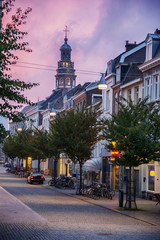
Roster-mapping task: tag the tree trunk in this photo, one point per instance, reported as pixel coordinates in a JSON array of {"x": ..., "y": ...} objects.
[
  {"x": 131, "y": 194},
  {"x": 55, "y": 167},
  {"x": 80, "y": 183},
  {"x": 39, "y": 161},
  {"x": 26, "y": 164},
  {"x": 129, "y": 189}
]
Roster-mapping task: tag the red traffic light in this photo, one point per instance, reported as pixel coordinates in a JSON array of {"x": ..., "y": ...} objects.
[{"x": 115, "y": 153}]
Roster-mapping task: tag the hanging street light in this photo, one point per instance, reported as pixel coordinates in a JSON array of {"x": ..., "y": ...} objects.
[{"x": 102, "y": 83}]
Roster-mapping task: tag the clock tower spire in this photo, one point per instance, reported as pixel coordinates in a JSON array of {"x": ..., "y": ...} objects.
[{"x": 65, "y": 77}]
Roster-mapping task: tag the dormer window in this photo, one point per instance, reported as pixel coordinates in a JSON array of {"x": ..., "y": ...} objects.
[
  {"x": 149, "y": 51},
  {"x": 109, "y": 68},
  {"x": 118, "y": 74}
]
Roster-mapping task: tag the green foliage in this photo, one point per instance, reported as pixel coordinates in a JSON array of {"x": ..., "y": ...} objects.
[
  {"x": 10, "y": 41},
  {"x": 76, "y": 132},
  {"x": 18, "y": 145},
  {"x": 3, "y": 133},
  {"x": 136, "y": 129},
  {"x": 40, "y": 144},
  {"x": 9, "y": 147}
]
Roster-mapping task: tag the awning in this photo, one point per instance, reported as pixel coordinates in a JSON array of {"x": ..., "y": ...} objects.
[{"x": 93, "y": 165}]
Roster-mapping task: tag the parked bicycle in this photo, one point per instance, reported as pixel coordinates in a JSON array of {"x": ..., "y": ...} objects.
[
  {"x": 93, "y": 191},
  {"x": 97, "y": 190},
  {"x": 107, "y": 192},
  {"x": 62, "y": 182}
]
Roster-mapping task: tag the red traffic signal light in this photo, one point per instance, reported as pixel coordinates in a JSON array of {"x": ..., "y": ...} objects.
[{"x": 115, "y": 153}]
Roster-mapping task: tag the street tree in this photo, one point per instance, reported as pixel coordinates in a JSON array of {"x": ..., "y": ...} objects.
[
  {"x": 136, "y": 132},
  {"x": 18, "y": 145},
  {"x": 11, "y": 41},
  {"x": 75, "y": 133},
  {"x": 40, "y": 146},
  {"x": 9, "y": 148},
  {"x": 23, "y": 144}
]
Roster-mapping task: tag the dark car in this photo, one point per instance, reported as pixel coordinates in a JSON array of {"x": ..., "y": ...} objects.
[
  {"x": 36, "y": 178},
  {"x": 6, "y": 164}
]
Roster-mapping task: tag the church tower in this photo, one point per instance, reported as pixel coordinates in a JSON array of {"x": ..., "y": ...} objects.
[{"x": 65, "y": 77}]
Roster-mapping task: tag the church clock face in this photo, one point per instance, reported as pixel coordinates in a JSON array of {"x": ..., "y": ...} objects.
[{"x": 68, "y": 81}]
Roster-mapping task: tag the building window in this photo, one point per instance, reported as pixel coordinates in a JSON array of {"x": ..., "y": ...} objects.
[
  {"x": 120, "y": 96},
  {"x": 129, "y": 94},
  {"x": 151, "y": 177},
  {"x": 62, "y": 166},
  {"x": 136, "y": 94},
  {"x": 155, "y": 87},
  {"x": 118, "y": 74},
  {"x": 147, "y": 88},
  {"x": 116, "y": 103},
  {"x": 149, "y": 52},
  {"x": 108, "y": 100},
  {"x": 96, "y": 98},
  {"x": 109, "y": 68},
  {"x": 61, "y": 81}
]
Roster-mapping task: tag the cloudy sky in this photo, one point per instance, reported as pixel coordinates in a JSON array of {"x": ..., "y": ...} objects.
[{"x": 97, "y": 33}]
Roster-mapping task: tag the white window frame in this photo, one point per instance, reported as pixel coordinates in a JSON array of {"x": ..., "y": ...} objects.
[
  {"x": 116, "y": 103},
  {"x": 150, "y": 190},
  {"x": 149, "y": 51},
  {"x": 118, "y": 70},
  {"x": 147, "y": 88},
  {"x": 129, "y": 94},
  {"x": 156, "y": 87},
  {"x": 136, "y": 94},
  {"x": 108, "y": 100}
]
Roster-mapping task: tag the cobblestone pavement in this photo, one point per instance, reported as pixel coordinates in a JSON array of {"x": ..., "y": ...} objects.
[{"x": 38, "y": 212}]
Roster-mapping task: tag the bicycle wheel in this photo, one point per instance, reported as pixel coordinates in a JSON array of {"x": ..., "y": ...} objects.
[
  {"x": 89, "y": 192},
  {"x": 51, "y": 183},
  {"x": 71, "y": 185},
  {"x": 96, "y": 196},
  {"x": 107, "y": 194}
]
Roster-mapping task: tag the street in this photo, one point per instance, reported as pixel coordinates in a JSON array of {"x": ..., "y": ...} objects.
[{"x": 66, "y": 217}]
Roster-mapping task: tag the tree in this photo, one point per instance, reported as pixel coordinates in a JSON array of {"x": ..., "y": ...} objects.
[
  {"x": 10, "y": 41},
  {"x": 75, "y": 133},
  {"x": 9, "y": 148},
  {"x": 19, "y": 145},
  {"x": 136, "y": 131},
  {"x": 40, "y": 146},
  {"x": 23, "y": 144}
]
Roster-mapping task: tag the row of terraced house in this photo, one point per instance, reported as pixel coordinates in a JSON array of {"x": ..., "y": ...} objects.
[{"x": 134, "y": 74}]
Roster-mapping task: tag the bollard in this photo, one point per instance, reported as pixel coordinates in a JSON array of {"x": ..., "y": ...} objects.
[{"x": 120, "y": 198}]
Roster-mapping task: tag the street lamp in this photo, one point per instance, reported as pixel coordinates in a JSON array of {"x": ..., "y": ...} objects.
[
  {"x": 102, "y": 83},
  {"x": 52, "y": 114}
]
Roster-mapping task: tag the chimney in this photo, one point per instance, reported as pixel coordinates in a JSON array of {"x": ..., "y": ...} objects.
[
  {"x": 129, "y": 46},
  {"x": 157, "y": 31}
]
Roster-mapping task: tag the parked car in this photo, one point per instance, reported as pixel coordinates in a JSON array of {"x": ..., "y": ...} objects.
[
  {"x": 1, "y": 161},
  {"x": 36, "y": 178},
  {"x": 6, "y": 164}
]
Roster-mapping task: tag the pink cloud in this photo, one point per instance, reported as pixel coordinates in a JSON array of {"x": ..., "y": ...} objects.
[{"x": 97, "y": 33}]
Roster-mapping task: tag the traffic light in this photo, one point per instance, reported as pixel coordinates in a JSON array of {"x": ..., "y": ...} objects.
[{"x": 115, "y": 153}]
